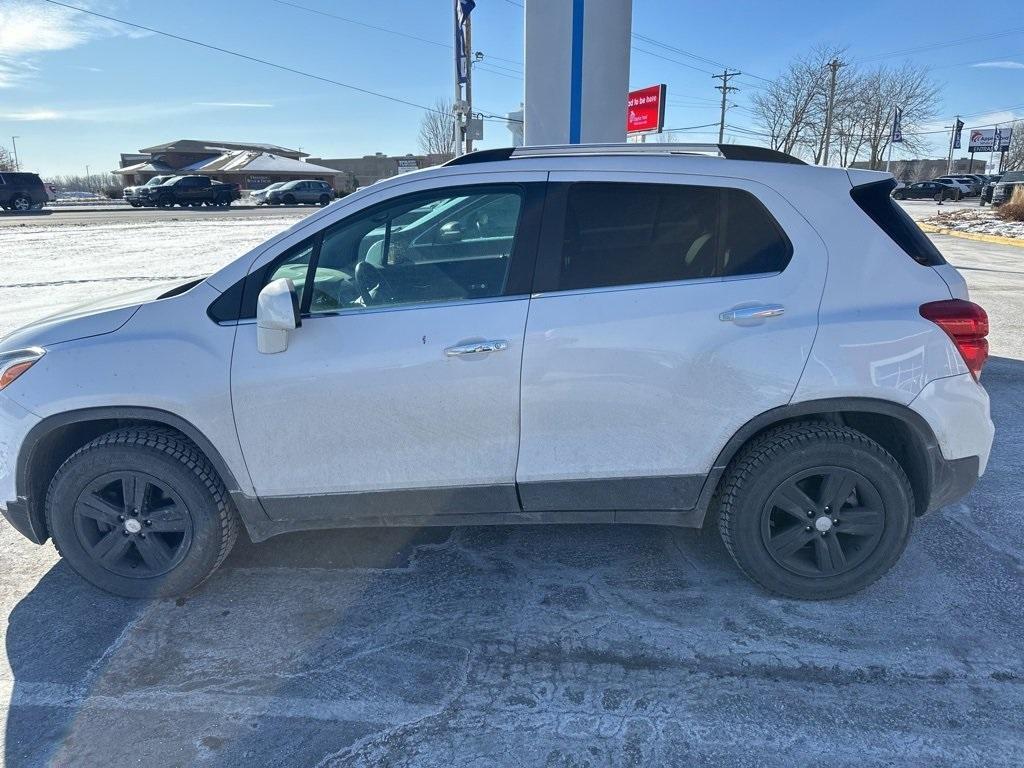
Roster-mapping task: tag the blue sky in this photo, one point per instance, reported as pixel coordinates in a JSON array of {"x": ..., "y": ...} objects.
[{"x": 77, "y": 90}]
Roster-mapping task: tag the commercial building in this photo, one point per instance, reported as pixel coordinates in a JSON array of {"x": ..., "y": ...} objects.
[
  {"x": 251, "y": 166},
  {"x": 357, "y": 172}
]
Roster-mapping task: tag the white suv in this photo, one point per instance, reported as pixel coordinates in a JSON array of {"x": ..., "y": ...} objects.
[{"x": 596, "y": 334}]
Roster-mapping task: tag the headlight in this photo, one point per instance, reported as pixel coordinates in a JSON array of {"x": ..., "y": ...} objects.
[{"x": 16, "y": 362}]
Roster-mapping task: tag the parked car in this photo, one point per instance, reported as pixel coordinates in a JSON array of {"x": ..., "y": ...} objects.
[
  {"x": 306, "y": 191},
  {"x": 51, "y": 193},
  {"x": 190, "y": 191},
  {"x": 259, "y": 197},
  {"x": 927, "y": 190},
  {"x": 1003, "y": 190},
  {"x": 617, "y": 334},
  {"x": 136, "y": 196},
  {"x": 965, "y": 185},
  {"x": 989, "y": 189},
  {"x": 22, "y": 192}
]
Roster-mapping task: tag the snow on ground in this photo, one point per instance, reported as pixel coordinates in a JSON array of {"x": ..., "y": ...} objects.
[
  {"x": 46, "y": 267},
  {"x": 979, "y": 221}
]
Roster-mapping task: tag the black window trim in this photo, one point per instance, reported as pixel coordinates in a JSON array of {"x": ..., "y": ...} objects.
[
  {"x": 549, "y": 251},
  {"x": 238, "y": 302}
]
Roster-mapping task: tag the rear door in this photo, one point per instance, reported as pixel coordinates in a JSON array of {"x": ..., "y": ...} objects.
[{"x": 665, "y": 316}]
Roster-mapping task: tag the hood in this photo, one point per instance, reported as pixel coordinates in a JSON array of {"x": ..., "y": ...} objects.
[{"x": 93, "y": 318}]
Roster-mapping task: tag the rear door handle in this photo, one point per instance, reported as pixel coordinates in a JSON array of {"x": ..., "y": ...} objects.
[
  {"x": 761, "y": 312},
  {"x": 477, "y": 348}
]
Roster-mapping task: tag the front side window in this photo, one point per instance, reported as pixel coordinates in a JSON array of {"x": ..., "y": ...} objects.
[
  {"x": 446, "y": 246},
  {"x": 628, "y": 234}
]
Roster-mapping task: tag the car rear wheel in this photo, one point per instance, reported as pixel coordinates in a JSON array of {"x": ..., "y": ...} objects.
[
  {"x": 22, "y": 203},
  {"x": 815, "y": 511},
  {"x": 325, "y": 200},
  {"x": 140, "y": 512}
]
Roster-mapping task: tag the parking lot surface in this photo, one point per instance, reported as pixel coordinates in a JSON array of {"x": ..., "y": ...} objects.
[{"x": 542, "y": 645}]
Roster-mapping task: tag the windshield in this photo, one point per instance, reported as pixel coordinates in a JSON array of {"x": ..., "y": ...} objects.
[{"x": 1013, "y": 176}]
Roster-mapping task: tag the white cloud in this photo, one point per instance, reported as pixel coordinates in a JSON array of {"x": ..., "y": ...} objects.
[
  {"x": 28, "y": 29},
  {"x": 240, "y": 104},
  {"x": 1000, "y": 64},
  {"x": 32, "y": 115}
]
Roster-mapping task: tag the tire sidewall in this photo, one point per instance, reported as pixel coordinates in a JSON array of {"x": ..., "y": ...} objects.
[
  {"x": 83, "y": 468},
  {"x": 745, "y": 519}
]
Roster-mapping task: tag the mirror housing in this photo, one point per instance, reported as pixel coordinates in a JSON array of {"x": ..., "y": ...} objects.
[
  {"x": 449, "y": 232},
  {"x": 277, "y": 313}
]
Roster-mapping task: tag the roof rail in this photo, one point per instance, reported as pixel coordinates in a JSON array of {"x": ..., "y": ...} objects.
[{"x": 727, "y": 151}]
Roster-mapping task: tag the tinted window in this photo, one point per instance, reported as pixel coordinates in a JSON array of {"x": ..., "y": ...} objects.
[
  {"x": 622, "y": 234},
  {"x": 875, "y": 201}
]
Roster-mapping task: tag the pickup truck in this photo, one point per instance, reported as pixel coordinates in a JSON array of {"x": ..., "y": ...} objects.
[
  {"x": 135, "y": 195},
  {"x": 190, "y": 190}
]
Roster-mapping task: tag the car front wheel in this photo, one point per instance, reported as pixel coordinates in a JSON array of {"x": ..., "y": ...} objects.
[
  {"x": 815, "y": 511},
  {"x": 140, "y": 512},
  {"x": 22, "y": 203}
]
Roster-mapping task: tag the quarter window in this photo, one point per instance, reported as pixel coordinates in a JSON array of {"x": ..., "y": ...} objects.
[{"x": 625, "y": 234}]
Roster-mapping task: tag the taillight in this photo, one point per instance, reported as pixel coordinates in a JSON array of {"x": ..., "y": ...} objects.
[{"x": 966, "y": 324}]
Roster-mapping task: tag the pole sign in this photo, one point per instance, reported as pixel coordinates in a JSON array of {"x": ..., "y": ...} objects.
[
  {"x": 990, "y": 139},
  {"x": 645, "y": 110},
  {"x": 957, "y": 129}
]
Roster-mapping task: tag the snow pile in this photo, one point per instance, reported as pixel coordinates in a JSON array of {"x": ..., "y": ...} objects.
[{"x": 982, "y": 221}]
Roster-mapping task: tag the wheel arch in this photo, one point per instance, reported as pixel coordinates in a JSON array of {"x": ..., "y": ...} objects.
[
  {"x": 50, "y": 442},
  {"x": 897, "y": 428}
]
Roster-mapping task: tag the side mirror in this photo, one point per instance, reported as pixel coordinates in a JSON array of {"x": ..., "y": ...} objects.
[
  {"x": 277, "y": 313},
  {"x": 450, "y": 232}
]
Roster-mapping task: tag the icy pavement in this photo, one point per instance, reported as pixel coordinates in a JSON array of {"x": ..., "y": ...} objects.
[
  {"x": 47, "y": 265},
  {"x": 561, "y": 646}
]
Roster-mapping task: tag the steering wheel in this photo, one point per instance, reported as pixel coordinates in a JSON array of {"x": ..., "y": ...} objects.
[{"x": 368, "y": 276}]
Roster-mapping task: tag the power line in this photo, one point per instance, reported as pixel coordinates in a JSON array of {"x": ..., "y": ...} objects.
[
  {"x": 387, "y": 30},
  {"x": 690, "y": 54},
  {"x": 943, "y": 44},
  {"x": 255, "y": 59}
]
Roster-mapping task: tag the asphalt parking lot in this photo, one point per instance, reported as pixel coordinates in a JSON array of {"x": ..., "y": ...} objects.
[{"x": 557, "y": 646}]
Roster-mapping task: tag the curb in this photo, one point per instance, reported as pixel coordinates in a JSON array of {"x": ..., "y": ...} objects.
[{"x": 996, "y": 239}]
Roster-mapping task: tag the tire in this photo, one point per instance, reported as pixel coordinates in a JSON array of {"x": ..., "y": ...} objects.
[
  {"x": 165, "y": 202},
  {"x": 325, "y": 200},
  {"x": 21, "y": 203},
  {"x": 184, "y": 508},
  {"x": 760, "y": 522},
  {"x": 289, "y": 200}
]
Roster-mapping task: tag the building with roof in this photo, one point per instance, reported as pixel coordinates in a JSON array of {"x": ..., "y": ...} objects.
[
  {"x": 356, "y": 172},
  {"x": 251, "y": 166}
]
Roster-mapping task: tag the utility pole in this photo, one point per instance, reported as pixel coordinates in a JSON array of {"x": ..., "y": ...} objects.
[
  {"x": 14, "y": 144},
  {"x": 952, "y": 141},
  {"x": 458, "y": 85},
  {"x": 830, "y": 105},
  {"x": 725, "y": 88},
  {"x": 468, "y": 24}
]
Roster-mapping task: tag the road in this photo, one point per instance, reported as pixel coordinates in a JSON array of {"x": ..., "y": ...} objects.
[
  {"x": 558, "y": 646},
  {"x": 125, "y": 214}
]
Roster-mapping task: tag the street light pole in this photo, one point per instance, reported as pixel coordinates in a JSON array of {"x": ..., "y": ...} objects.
[{"x": 14, "y": 144}]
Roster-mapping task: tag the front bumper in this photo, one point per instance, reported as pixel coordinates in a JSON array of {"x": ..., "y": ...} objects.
[{"x": 15, "y": 424}]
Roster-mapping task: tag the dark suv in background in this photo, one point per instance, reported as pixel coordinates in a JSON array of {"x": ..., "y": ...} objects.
[
  {"x": 1003, "y": 190},
  {"x": 22, "y": 192}
]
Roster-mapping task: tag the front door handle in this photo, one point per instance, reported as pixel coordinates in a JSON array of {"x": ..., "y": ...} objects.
[
  {"x": 761, "y": 312},
  {"x": 476, "y": 348}
]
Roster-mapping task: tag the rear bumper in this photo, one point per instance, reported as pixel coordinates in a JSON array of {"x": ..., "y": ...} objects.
[{"x": 957, "y": 410}]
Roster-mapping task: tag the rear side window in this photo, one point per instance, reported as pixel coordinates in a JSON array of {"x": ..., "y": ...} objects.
[
  {"x": 875, "y": 201},
  {"x": 627, "y": 234}
]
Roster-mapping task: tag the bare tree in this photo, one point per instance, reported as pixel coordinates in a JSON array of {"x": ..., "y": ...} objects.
[
  {"x": 437, "y": 130},
  {"x": 6, "y": 160},
  {"x": 792, "y": 108},
  {"x": 909, "y": 87}
]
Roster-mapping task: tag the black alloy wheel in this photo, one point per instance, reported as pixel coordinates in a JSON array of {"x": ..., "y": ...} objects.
[
  {"x": 823, "y": 521},
  {"x": 133, "y": 524}
]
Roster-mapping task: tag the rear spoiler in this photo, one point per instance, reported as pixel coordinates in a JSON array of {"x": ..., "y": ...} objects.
[{"x": 860, "y": 177}]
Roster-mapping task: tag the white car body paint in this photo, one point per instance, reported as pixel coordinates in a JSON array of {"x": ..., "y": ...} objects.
[{"x": 367, "y": 400}]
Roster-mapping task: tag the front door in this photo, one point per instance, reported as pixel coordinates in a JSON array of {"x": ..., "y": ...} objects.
[
  {"x": 399, "y": 394},
  {"x": 668, "y": 314}
]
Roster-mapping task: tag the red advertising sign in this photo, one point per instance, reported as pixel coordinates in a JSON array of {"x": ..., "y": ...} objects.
[{"x": 645, "y": 109}]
